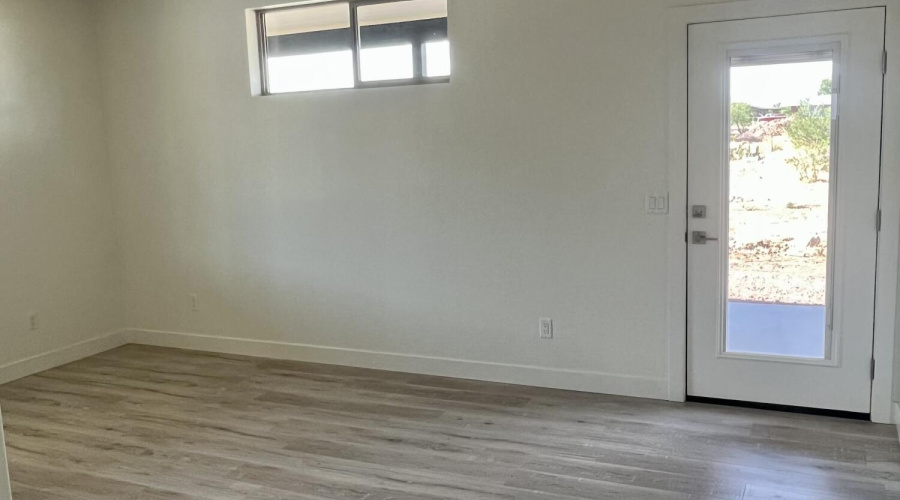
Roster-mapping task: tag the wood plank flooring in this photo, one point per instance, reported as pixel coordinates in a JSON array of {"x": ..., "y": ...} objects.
[{"x": 151, "y": 423}]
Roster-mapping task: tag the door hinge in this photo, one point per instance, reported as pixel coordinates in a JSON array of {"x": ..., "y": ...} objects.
[
  {"x": 878, "y": 221},
  {"x": 873, "y": 369},
  {"x": 884, "y": 63}
]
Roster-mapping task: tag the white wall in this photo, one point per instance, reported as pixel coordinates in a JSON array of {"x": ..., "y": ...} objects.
[
  {"x": 58, "y": 255},
  {"x": 435, "y": 220},
  {"x": 896, "y": 384}
]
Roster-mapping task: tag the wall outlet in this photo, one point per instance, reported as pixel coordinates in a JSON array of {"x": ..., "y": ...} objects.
[
  {"x": 195, "y": 302},
  {"x": 546, "y": 328},
  {"x": 33, "y": 323}
]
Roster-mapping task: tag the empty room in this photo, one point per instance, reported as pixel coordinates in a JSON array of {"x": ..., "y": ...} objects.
[{"x": 449, "y": 249}]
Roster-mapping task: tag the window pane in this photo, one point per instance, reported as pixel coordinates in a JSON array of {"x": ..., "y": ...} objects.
[
  {"x": 309, "y": 48},
  {"x": 394, "y": 39},
  {"x": 386, "y": 63},
  {"x": 780, "y": 184},
  {"x": 437, "y": 58}
]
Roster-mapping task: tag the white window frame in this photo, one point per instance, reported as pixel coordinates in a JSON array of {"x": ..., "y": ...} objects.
[{"x": 259, "y": 60}]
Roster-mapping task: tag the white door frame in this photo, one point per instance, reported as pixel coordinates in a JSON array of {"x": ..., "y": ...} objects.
[
  {"x": 889, "y": 238},
  {"x": 5, "y": 493}
]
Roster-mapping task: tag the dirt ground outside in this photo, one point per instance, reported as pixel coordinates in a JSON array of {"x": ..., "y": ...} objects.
[{"x": 778, "y": 224}]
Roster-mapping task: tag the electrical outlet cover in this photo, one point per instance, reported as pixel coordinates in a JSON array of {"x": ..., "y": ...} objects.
[{"x": 546, "y": 328}]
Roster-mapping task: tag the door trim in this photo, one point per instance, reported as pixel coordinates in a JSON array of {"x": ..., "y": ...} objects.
[
  {"x": 886, "y": 280},
  {"x": 837, "y": 45}
]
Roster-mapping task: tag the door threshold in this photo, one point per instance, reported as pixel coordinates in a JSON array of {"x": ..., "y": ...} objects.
[{"x": 850, "y": 415}]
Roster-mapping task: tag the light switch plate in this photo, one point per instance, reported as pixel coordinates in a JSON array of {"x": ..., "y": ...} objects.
[{"x": 657, "y": 204}]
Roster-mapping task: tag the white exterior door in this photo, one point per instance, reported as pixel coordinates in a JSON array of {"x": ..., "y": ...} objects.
[{"x": 784, "y": 165}]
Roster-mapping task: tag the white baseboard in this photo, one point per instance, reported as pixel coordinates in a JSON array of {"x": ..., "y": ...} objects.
[
  {"x": 554, "y": 378},
  {"x": 64, "y": 355}
]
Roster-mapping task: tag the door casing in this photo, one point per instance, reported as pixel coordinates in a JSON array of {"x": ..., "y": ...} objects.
[{"x": 5, "y": 493}]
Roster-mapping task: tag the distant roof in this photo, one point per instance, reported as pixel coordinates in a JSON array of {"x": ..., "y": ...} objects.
[{"x": 819, "y": 100}]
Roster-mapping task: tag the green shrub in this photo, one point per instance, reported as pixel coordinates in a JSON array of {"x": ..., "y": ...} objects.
[
  {"x": 810, "y": 133},
  {"x": 739, "y": 151},
  {"x": 741, "y": 116}
]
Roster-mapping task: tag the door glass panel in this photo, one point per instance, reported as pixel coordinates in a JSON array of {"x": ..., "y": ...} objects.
[{"x": 779, "y": 205}]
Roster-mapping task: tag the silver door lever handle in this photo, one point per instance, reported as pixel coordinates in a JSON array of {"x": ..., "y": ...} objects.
[{"x": 700, "y": 238}]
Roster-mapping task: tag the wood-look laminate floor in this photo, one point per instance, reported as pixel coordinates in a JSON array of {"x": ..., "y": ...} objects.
[{"x": 150, "y": 423}]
